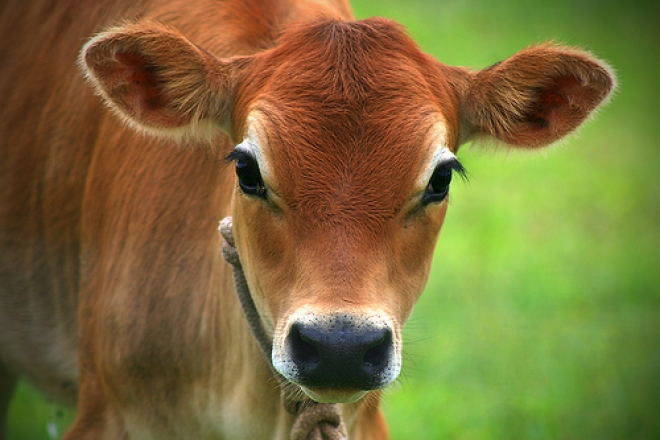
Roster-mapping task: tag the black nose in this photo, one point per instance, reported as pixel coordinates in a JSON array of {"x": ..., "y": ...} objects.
[{"x": 341, "y": 354}]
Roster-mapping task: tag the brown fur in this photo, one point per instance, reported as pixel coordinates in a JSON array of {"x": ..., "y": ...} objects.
[{"x": 113, "y": 291}]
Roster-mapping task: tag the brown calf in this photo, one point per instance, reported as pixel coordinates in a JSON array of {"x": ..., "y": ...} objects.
[{"x": 113, "y": 291}]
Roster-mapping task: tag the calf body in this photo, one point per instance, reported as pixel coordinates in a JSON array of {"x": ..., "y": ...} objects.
[{"x": 331, "y": 142}]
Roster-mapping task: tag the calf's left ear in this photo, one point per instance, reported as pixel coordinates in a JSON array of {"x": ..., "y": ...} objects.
[
  {"x": 535, "y": 97},
  {"x": 160, "y": 83}
]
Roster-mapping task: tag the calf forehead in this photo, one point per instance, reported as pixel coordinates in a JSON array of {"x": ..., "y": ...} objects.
[
  {"x": 348, "y": 116},
  {"x": 335, "y": 169}
]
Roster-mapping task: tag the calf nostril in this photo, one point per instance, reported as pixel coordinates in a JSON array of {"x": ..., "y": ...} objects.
[
  {"x": 303, "y": 352},
  {"x": 377, "y": 357}
]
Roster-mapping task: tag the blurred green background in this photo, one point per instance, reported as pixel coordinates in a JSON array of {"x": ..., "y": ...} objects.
[{"x": 541, "y": 319}]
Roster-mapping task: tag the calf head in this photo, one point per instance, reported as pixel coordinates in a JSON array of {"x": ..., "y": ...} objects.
[{"x": 346, "y": 138}]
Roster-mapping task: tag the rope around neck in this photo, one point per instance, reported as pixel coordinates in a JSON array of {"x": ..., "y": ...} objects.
[{"x": 313, "y": 421}]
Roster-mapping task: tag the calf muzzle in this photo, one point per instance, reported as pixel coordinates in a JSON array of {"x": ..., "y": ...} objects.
[{"x": 341, "y": 352}]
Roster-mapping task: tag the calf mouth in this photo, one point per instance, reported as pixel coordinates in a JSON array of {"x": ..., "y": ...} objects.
[{"x": 333, "y": 395}]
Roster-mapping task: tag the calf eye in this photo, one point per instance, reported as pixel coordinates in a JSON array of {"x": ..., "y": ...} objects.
[
  {"x": 247, "y": 171},
  {"x": 438, "y": 186}
]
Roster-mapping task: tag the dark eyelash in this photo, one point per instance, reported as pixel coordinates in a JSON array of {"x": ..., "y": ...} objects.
[
  {"x": 457, "y": 167},
  {"x": 236, "y": 155}
]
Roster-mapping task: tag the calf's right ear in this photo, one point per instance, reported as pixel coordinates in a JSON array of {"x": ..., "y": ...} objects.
[
  {"x": 160, "y": 83},
  {"x": 536, "y": 97}
]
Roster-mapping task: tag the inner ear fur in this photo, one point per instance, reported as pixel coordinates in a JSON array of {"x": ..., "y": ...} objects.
[
  {"x": 535, "y": 97},
  {"x": 159, "y": 82}
]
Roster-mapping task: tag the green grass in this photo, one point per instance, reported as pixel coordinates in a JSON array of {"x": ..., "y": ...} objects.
[
  {"x": 541, "y": 319},
  {"x": 33, "y": 417}
]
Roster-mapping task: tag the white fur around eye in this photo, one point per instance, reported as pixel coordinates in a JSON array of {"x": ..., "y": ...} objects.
[
  {"x": 253, "y": 143},
  {"x": 438, "y": 153}
]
